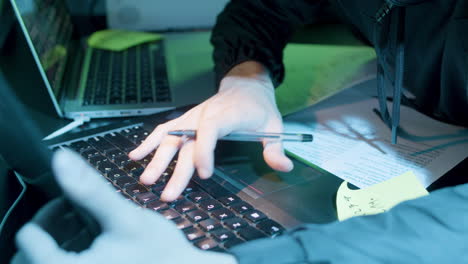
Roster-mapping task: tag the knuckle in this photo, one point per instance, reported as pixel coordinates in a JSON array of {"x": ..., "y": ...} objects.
[{"x": 160, "y": 128}]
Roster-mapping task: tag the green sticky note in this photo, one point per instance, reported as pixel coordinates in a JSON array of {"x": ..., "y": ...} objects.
[
  {"x": 377, "y": 198},
  {"x": 119, "y": 40}
]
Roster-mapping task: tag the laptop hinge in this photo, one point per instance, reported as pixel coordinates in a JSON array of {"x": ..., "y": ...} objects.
[{"x": 78, "y": 121}]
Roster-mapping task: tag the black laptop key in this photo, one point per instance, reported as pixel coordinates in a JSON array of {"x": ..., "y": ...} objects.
[
  {"x": 193, "y": 233},
  {"x": 158, "y": 188},
  {"x": 222, "y": 214},
  {"x": 210, "y": 205},
  {"x": 241, "y": 207},
  {"x": 222, "y": 234},
  {"x": 230, "y": 199},
  {"x": 138, "y": 136},
  {"x": 157, "y": 205},
  {"x": 90, "y": 152},
  {"x": 106, "y": 166},
  {"x": 79, "y": 146},
  {"x": 131, "y": 98},
  {"x": 131, "y": 165},
  {"x": 185, "y": 206},
  {"x": 235, "y": 223},
  {"x": 114, "y": 174},
  {"x": 255, "y": 216},
  {"x": 126, "y": 132},
  {"x": 146, "y": 98},
  {"x": 97, "y": 159},
  {"x": 197, "y": 215},
  {"x": 100, "y": 101},
  {"x": 191, "y": 187},
  {"x": 198, "y": 197},
  {"x": 146, "y": 197},
  {"x": 136, "y": 189},
  {"x": 113, "y": 153},
  {"x": 206, "y": 244},
  {"x": 123, "y": 181},
  {"x": 136, "y": 173},
  {"x": 121, "y": 160},
  {"x": 115, "y": 100},
  {"x": 146, "y": 160},
  {"x": 100, "y": 144},
  {"x": 270, "y": 227},
  {"x": 177, "y": 200},
  {"x": 249, "y": 233},
  {"x": 233, "y": 242},
  {"x": 209, "y": 225},
  {"x": 182, "y": 223},
  {"x": 138, "y": 129},
  {"x": 170, "y": 214},
  {"x": 120, "y": 141}
]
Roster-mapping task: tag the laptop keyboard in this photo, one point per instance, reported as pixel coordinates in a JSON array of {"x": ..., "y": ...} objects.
[
  {"x": 137, "y": 75},
  {"x": 211, "y": 217}
]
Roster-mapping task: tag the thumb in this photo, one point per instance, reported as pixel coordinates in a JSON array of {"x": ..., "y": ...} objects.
[
  {"x": 273, "y": 151},
  {"x": 86, "y": 187},
  {"x": 274, "y": 156},
  {"x": 39, "y": 247}
]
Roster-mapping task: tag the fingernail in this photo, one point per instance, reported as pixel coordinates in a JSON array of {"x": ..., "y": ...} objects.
[
  {"x": 132, "y": 154},
  {"x": 166, "y": 195},
  {"x": 290, "y": 165},
  {"x": 147, "y": 177},
  {"x": 204, "y": 173}
]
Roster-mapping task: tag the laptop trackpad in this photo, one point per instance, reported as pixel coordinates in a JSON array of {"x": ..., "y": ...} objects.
[{"x": 305, "y": 194}]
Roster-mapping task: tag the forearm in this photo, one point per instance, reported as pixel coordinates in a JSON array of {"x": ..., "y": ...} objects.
[
  {"x": 258, "y": 30},
  {"x": 431, "y": 229}
]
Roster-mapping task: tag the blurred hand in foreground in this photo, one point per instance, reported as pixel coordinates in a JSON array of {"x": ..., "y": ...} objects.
[{"x": 129, "y": 235}]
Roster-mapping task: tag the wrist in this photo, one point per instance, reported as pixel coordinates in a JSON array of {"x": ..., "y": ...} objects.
[{"x": 248, "y": 71}]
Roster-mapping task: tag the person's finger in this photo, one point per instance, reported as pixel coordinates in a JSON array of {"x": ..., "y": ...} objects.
[
  {"x": 208, "y": 132},
  {"x": 86, "y": 187},
  {"x": 273, "y": 153},
  {"x": 163, "y": 156},
  {"x": 182, "y": 174},
  {"x": 151, "y": 142},
  {"x": 39, "y": 247}
]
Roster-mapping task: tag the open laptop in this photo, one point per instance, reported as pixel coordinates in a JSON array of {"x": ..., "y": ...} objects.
[
  {"x": 244, "y": 200},
  {"x": 83, "y": 81}
]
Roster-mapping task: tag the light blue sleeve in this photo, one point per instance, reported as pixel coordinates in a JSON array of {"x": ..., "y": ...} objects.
[{"x": 431, "y": 229}]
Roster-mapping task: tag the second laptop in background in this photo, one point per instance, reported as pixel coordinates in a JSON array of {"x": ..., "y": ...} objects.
[{"x": 84, "y": 81}]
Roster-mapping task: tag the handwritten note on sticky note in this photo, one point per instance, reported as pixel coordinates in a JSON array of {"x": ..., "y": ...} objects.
[
  {"x": 377, "y": 198},
  {"x": 119, "y": 40}
]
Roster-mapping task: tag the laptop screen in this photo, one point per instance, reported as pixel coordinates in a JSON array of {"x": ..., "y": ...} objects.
[{"x": 48, "y": 26}]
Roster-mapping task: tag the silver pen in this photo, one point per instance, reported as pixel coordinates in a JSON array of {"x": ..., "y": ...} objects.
[{"x": 249, "y": 136}]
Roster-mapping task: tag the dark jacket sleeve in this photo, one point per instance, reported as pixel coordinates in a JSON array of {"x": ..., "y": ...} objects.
[
  {"x": 258, "y": 30},
  {"x": 432, "y": 229}
]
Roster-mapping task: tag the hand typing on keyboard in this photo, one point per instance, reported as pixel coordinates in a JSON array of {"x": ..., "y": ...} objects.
[
  {"x": 129, "y": 235},
  {"x": 245, "y": 101}
]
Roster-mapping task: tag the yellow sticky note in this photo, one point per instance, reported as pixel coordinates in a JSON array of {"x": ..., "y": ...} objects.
[
  {"x": 118, "y": 40},
  {"x": 378, "y": 198}
]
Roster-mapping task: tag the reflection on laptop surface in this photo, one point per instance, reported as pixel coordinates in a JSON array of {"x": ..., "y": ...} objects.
[{"x": 97, "y": 83}]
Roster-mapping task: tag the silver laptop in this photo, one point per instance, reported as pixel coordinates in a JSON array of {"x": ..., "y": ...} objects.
[{"x": 83, "y": 81}]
